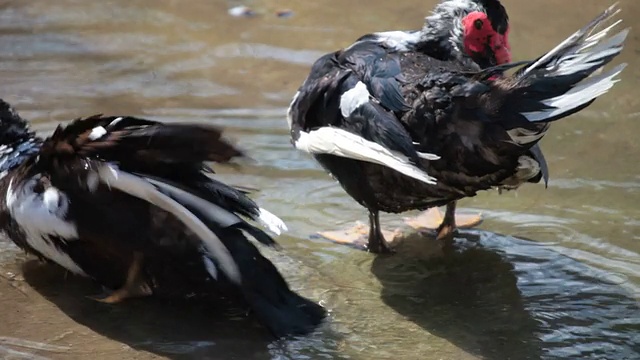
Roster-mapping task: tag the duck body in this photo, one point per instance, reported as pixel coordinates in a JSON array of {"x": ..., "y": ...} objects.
[
  {"x": 129, "y": 203},
  {"x": 395, "y": 76},
  {"x": 467, "y": 162},
  {"x": 403, "y": 129}
]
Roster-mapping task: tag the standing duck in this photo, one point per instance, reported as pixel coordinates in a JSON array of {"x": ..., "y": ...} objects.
[
  {"x": 129, "y": 203},
  {"x": 420, "y": 119}
]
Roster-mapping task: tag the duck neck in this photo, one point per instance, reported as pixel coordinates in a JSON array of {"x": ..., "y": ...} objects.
[{"x": 442, "y": 35}]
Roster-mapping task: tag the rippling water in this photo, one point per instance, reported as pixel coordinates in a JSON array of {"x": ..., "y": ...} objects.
[{"x": 551, "y": 273}]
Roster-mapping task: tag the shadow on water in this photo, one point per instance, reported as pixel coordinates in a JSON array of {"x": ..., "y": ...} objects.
[
  {"x": 178, "y": 328},
  {"x": 498, "y": 297},
  {"x": 174, "y": 329}
]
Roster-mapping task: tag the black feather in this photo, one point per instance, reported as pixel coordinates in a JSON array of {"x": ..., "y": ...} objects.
[
  {"x": 475, "y": 119},
  {"x": 376, "y": 124},
  {"x": 116, "y": 225},
  {"x": 539, "y": 157},
  {"x": 13, "y": 128},
  {"x": 379, "y": 70},
  {"x": 497, "y": 14}
]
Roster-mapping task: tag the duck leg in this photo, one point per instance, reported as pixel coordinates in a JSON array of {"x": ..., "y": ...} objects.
[
  {"x": 361, "y": 237},
  {"x": 446, "y": 225},
  {"x": 134, "y": 286},
  {"x": 377, "y": 243}
]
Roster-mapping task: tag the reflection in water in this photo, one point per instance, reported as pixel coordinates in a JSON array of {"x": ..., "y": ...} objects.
[
  {"x": 177, "y": 330},
  {"x": 505, "y": 298},
  {"x": 468, "y": 296}
]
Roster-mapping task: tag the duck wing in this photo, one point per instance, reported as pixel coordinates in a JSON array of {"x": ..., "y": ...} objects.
[
  {"x": 346, "y": 107},
  {"x": 161, "y": 164},
  {"x": 175, "y": 153}
]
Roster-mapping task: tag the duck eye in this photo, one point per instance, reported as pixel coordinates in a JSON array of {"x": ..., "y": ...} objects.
[{"x": 478, "y": 24}]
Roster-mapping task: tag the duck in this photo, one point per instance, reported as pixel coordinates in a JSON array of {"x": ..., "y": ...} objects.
[
  {"x": 132, "y": 204},
  {"x": 415, "y": 120}
]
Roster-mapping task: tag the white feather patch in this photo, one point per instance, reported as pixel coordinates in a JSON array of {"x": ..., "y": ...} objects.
[
  {"x": 289, "y": 118},
  {"x": 527, "y": 169},
  {"x": 222, "y": 216},
  {"x": 115, "y": 121},
  {"x": 210, "y": 266},
  {"x": 92, "y": 181},
  {"x": 41, "y": 216},
  {"x": 333, "y": 141},
  {"x": 142, "y": 189},
  {"x": 5, "y": 150},
  {"x": 525, "y": 136},
  {"x": 398, "y": 40},
  {"x": 594, "y": 39},
  {"x": 577, "y": 96},
  {"x": 271, "y": 222},
  {"x": 97, "y": 132},
  {"x": 598, "y": 36},
  {"x": 354, "y": 98},
  {"x": 428, "y": 156},
  {"x": 595, "y": 56}
]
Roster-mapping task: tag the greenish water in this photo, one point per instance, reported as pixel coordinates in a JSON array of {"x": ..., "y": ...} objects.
[{"x": 551, "y": 273}]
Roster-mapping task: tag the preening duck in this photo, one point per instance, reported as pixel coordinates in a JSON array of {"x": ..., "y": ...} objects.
[
  {"x": 409, "y": 120},
  {"x": 130, "y": 203}
]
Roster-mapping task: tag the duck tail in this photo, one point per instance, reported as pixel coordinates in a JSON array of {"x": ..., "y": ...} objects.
[
  {"x": 228, "y": 254},
  {"x": 280, "y": 309},
  {"x": 564, "y": 81}
]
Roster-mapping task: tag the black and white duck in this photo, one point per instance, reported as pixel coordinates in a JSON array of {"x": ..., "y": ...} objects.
[
  {"x": 412, "y": 120},
  {"x": 130, "y": 203}
]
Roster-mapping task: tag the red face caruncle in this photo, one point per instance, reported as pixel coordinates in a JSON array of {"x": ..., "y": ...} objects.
[{"x": 479, "y": 36}]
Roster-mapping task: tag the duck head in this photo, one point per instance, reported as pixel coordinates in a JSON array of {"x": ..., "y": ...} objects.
[{"x": 477, "y": 29}]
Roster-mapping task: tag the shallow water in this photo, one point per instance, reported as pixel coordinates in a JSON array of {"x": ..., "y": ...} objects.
[{"x": 551, "y": 273}]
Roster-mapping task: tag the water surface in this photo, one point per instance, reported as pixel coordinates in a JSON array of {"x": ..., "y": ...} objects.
[{"x": 551, "y": 273}]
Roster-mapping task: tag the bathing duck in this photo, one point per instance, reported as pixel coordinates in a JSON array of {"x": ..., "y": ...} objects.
[
  {"x": 130, "y": 203},
  {"x": 413, "y": 120}
]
